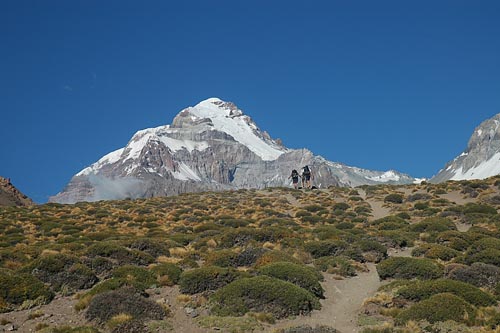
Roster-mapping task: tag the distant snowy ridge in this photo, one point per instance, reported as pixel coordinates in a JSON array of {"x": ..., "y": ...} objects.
[
  {"x": 210, "y": 146},
  {"x": 481, "y": 158}
]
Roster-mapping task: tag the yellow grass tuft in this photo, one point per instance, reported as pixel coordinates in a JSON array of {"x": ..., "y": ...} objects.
[
  {"x": 182, "y": 298},
  {"x": 179, "y": 252},
  {"x": 118, "y": 320}
]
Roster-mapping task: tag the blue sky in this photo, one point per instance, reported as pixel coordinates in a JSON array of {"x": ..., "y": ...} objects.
[{"x": 374, "y": 84}]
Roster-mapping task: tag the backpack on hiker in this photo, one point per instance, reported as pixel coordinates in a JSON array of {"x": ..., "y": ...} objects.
[{"x": 307, "y": 171}]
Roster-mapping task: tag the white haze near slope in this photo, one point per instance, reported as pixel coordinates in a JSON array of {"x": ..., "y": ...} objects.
[{"x": 115, "y": 188}]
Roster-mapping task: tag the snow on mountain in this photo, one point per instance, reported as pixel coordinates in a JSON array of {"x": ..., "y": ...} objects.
[
  {"x": 210, "y": 146},
  {"x": 481, "y": 158},
  {"x": 226, "y": 117},
  {"x": 387, "y": 176}
]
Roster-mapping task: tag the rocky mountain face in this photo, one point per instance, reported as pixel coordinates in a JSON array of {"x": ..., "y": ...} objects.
[
  {"x": 211, "y": 146},
  {"x": 11, "y": 196},
  {"x": 481, "y": 158}
]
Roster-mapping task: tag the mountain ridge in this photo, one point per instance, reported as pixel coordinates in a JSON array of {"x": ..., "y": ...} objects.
[{"x": 11, "y": 196}]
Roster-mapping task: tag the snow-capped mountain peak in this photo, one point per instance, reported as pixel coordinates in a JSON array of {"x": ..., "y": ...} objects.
[{"x": 226, "y": 117}]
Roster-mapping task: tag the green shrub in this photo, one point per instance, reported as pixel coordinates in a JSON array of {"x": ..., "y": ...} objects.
[
  {"x": 488, "y": 256},
  {"x": 394, "y": 198},
  {"x": 207, "y": 278},
  {"x": 243, "y": 236},
  {"x": 484, "y": 244},
  {"x": 326, "y": 248},
  {"x": 409, "y": 268},
  {"x": 153, "y": 247},
  {"x": 373, "y": 247},
  {"x": 119, "y": 253},
  {"x": 397, "y": 238},
  {"x": 390, "y": 222},
  {"x": 106, "y": 305},
  {"x": 222, "y": 258},
  {"x": 433, "y": 224},
  {"x": 169, "y": 270},
  {"x": 335, "y": 265},
  {"x": 421, "y": 205},
  {"x": 478, "y": 274},
  {"x": 453, "y": 239},
  {"x": 435, "y": 251},
  {"x": 16, "y": 288},
  {"x": 440, "y": 307},
  {"x": 419, "y": 290},
  {"x": 275, "y": 256},
  {"x": 136, "y": 276},
  {"x": 263, "y": 294},
  {"x": 473, "y": 208},
  {"x": 61, "y": 270},
  {"x": 299, "y": 275},
  {"x": 342, "y": 206},
  {"x": 419, "y": 196}
]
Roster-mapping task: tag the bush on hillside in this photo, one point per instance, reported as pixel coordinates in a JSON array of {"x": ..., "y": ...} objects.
[
  {"x": 478, "y": 274},
  {"x": 300, "y": 275},
  {"x": 433, "y": 224},
  {"x": 153, "y": 247},
  {"x": 341, "y": 206},
  {"x": 420, "y": 290},
  {"x": 136, "y": 276},
  {"x": 394, "y": 198},
  {"x": 245, "y": 235},
  {"x": 207, "y": 278},
  {"x": 440, "y": 307},
  {"x": 275, "y": 256},
  {"x": 263, "y": 294},
  {"x": 409, "y": 268},
  {"x": 488, "y": 256},
  {"x": 397, "y": 238},
  {"x": 106, "y": 305},
  {"x": 435, "y": 251},
  {"x": 326, "y": 248},
  {"x": 167, "y": 274},
  {"x": 419, "y": 196},
  {"x": 335, "y": 265},
  {"x": 16, "y": 288},
  {"x": 60, "y": 270},
  {"x": 484, "y": 244},
  {"x": 249, "y": 256},
  {"x": 474, "y": 208},
  {"x": 453, "y": 239},
  {"x": 373, "y": 251},
  {"x": 222, "y": 258},
  {"x": 119, "y": 253}
]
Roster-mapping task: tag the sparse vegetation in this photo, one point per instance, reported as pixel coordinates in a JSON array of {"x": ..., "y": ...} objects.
[{"x": 250, "y": 254}]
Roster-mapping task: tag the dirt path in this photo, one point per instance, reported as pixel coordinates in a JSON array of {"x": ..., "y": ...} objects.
[
  {"x": 343, "y": 301},
  {"x": 378, "y": 210},
  {"x": 57, "y": 313}
]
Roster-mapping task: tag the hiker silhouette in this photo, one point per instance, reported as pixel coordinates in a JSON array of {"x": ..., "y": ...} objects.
[
  {"x": 306, "y": 177},
  {"x": 295, "y": 178}
]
